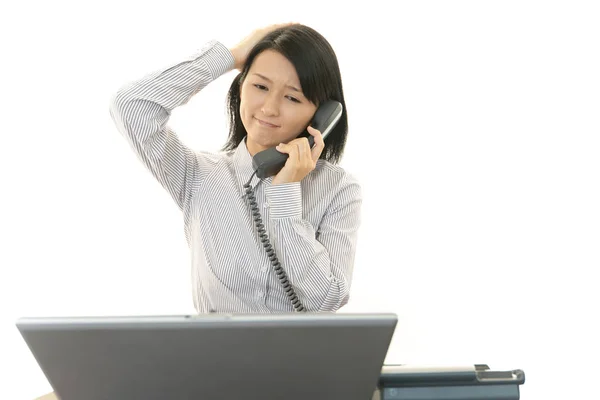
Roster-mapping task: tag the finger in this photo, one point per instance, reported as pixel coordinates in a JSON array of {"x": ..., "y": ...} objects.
[
  {"x": 319, "y": 143},
  {"x": 303, "y": 147},
  {"x": 283, "y": 148},
  {"x": 291, "y": 149},
  {"x": 304, "y": 154},
  {"x": 284, "y": 25}
]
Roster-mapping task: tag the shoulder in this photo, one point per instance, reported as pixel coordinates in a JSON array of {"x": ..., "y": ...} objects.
[
  {"x": 326, "y": 170},
  {"x": 210, "y": 163},
  {"x": 336, "y": 181},
  {"x": 207, "y": 157},
  {"x": 213, "y": 161}
]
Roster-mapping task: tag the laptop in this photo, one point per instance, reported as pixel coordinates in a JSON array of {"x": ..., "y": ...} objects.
[{"x": 214, "y": 356}]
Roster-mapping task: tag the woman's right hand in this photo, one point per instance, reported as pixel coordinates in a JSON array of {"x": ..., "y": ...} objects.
[{"x": 241, "y": 50}]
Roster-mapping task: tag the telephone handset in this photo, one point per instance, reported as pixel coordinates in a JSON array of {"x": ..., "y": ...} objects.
[{"x": 269, "y": 162}]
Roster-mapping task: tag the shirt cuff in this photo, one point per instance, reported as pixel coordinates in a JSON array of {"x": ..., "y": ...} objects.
[
  {"x": 217, "y": 57},
  {"x": 284, "y": 200}
]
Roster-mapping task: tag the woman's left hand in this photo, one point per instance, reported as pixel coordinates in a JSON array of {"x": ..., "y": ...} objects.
[{"x": 301, "y": 158}]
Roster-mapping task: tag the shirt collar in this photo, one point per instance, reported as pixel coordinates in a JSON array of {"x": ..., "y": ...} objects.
[{"x": 242, "y": 164}]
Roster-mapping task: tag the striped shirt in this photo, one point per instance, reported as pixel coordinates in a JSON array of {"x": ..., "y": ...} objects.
[{"x": 312, "y": 225}]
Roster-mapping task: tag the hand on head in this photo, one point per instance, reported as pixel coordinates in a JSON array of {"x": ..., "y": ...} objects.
[{"x": 241, "y": 50}]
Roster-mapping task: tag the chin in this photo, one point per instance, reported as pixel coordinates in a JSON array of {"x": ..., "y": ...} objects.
[{"x": 260, "y": 139}]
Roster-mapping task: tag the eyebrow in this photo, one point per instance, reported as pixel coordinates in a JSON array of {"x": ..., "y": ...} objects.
[{"x": 268, "y": 80}]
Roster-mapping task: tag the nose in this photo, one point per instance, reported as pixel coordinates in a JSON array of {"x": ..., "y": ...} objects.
[{"x": 270, "y": 107}]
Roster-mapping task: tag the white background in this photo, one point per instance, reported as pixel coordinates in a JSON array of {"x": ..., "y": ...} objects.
[{"x": 474, "y": 129}]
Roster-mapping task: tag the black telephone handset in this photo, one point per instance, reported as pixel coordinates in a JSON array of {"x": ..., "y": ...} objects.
[{"x": 270, "y": 161}]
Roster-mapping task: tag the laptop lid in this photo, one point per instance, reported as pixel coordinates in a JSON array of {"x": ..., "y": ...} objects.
[{"x": 213, "y": 356}]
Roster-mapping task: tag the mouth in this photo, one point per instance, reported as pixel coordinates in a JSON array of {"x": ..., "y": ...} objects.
[{"x": 266, "y": 124}]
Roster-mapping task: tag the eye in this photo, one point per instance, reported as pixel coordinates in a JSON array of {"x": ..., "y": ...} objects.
[{"x": 263, "y": 87}]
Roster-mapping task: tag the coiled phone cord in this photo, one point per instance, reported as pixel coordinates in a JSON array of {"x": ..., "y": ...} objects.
[{"x": 264, "y": 238}]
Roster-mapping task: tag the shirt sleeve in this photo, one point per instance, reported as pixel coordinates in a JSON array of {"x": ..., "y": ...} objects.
[
  {"x": 319, "y": 261},
  {"x": 141, "y": 111}
]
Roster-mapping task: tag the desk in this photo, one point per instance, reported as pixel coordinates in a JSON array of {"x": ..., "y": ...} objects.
[{"x": 400, "y": 382}]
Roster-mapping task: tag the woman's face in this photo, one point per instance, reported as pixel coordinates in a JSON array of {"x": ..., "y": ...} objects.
[{"x": 272, "y": 107}]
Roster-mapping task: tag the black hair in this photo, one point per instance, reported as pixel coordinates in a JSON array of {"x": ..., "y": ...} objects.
[{"x": 320, "y": 80}]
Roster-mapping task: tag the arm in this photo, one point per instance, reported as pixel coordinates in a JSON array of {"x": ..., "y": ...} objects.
[
  {"x": 142, "y": 109},
  {"x": 318, "y": 261}
]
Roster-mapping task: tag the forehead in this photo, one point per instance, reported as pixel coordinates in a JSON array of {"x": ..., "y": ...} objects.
[{"x": 276, "y": 67}]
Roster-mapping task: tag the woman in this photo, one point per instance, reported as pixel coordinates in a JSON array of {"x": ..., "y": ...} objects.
[{"x": 309, "y": 211}]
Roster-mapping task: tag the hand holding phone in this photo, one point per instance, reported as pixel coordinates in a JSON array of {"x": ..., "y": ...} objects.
[{"x": 302, "y": 158}]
